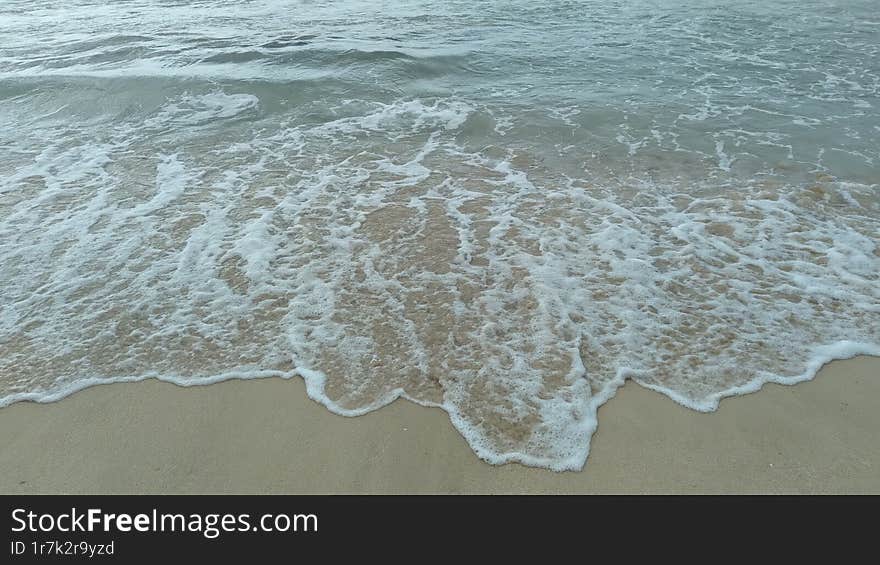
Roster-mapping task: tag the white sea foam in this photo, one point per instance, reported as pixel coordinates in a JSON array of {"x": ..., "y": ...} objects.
[
  {"x": 517, "y": 301},
  {"x": 193, "y": 110}
]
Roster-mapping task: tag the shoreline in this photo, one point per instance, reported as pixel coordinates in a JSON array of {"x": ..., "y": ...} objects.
[{"x": 267, "y": 436}]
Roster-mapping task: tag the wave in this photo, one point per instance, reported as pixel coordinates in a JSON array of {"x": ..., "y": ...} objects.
[
  {"x": 379, "y": 250},
  {"x": 502, "y": 209}
]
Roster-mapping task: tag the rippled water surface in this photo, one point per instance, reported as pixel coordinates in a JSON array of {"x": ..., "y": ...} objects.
[{"x": 501, "y": 208}]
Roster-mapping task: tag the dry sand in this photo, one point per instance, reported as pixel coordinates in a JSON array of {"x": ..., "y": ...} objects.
[{"x": 266, "y": 436}]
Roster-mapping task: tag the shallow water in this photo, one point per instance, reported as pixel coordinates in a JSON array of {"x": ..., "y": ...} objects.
[{"x": 500, "y": 208}]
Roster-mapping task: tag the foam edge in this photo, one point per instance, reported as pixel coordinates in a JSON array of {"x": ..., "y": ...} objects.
[{"x": 315, "y": 382}]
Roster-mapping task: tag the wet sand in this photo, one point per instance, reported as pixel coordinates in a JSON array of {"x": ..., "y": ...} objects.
[{"x": 267, "y": 436}]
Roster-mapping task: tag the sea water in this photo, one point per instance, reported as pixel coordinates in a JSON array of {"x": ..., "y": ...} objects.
[{"x": 502, "y": 208}]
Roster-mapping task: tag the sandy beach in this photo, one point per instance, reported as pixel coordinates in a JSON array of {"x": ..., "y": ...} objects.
[
  {"x": 397, "y": 196},
  {"x": 267, "y": 436}
]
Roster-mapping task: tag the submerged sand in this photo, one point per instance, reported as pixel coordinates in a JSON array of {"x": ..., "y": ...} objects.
[{"x": 267, "y": 436}]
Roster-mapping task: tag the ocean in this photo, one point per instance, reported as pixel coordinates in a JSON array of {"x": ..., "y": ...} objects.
[{"x": 504, "y": 209}]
